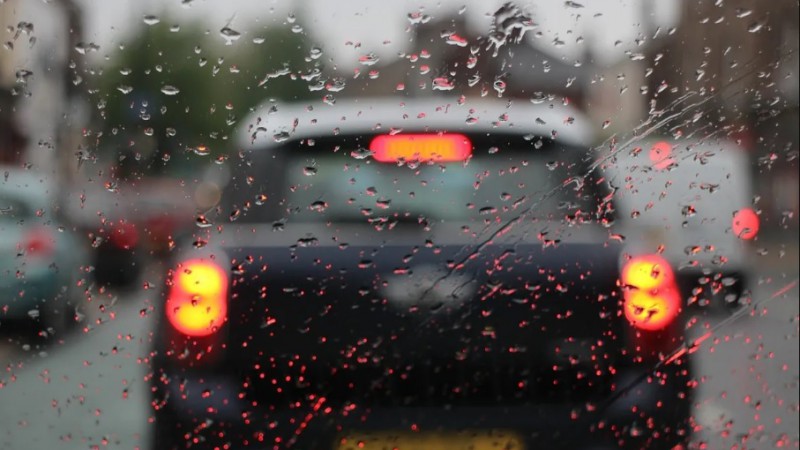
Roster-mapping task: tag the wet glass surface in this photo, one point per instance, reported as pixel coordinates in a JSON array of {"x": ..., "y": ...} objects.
[{"x": 442, "y": 225}]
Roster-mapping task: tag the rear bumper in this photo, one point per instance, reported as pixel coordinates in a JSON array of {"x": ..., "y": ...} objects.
[{"x": 210, "y": 411}]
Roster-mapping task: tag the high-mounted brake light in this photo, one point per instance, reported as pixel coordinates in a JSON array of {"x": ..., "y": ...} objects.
[
  {"x": 652, "y": 299},
  {"x": 197, "y": 303},
  {"x": 421, "y": 147}
]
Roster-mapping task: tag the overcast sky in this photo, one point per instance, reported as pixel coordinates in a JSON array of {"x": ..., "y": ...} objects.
[{"x": 380, "y": 26}]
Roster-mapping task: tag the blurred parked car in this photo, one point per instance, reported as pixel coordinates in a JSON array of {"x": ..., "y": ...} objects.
[
  {"x": 41, "y": 262},
  {"x": 128, "y": 225},
  {"x": 417, "y": 274},
  {"x": 691, "y": 201}
]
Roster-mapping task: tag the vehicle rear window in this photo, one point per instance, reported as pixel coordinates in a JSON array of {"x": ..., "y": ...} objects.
[{"x": 337, "y": 180}]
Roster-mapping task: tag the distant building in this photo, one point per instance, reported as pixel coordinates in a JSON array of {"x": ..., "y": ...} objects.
[
  {"x": 12, "y": 138},
  {"x": 742, "y": 57},
  {"x": 446, "y": 53}
]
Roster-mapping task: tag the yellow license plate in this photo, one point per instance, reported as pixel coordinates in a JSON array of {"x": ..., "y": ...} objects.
[{"x": 404, "y": 440}]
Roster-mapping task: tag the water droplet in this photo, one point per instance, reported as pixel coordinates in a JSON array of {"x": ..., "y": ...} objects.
[
  {"x": 23, "y": 75},
  {"x": 125, "y": 89},
  {"x": 307, "y": 242},
  {"x": 499, "y": 86},
  {"x": 755, "y": 27},
  {"x": 84, "y": 48},
  {"x": 201, "y": 150},
  {"x": 418, "y": 17},
  {"x": 202, "y": 222},
  {"x": 230, "y": 35},
  {"x": 318, "y": 206},
  {"x": 150, "y": 19},
  {"x": 309, "y": 171},
  {"x": 538, "y": 98},
  {"x": 455, "y": 39},
  {"x": 368, "y": 59},
  {"x": 281, "y": 136},
  {"x": 361, "y": 153},
  {"x": 443, "y": 84},
  {"x": 169, "y": 90},
  {"x": 335, "y": 85},
  {"x": 509, "y": 27}
]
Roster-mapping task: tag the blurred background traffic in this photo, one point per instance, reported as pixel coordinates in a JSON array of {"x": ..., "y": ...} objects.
[{"x": 111, "y": 114}]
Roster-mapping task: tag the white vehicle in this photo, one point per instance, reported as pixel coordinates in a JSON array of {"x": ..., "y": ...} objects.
[{"x": 692, "y": 202}]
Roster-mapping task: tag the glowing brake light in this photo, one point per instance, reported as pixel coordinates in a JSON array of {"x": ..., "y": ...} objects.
[
  {"x": 39, "y": 242},
  {"x": 421, "y": 147},
  {"x": 652, "y": 299},
  {"x": 745, "y": 223},
  {"x": 124, "y": 235},
  {"x": 197, "y": 303},
  {"x": 660, "y": 155}
]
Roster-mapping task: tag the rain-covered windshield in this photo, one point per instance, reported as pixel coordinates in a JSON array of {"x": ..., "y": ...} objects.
[{"x": 452, "y": 224}]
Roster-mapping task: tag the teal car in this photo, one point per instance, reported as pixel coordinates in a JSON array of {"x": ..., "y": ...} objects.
[{"x": 41, "y": 261}]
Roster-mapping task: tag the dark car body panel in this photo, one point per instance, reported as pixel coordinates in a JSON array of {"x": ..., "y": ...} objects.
[{"x": 511, "y": 319}]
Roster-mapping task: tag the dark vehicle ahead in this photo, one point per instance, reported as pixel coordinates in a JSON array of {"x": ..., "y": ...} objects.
[
  {"x": 417, "y": 274},
  {"x": 129, "y": 224}
]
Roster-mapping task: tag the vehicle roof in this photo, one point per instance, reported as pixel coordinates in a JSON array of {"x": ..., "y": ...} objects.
[
  {"x": 715, "y": 151},
  {"x": 371, "y": 115}
]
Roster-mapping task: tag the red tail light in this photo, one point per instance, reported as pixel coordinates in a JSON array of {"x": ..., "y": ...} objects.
[
  {"x": 124, "y": 235},
  {"x": 745, "y": 223},
  {"x": 197, "y": 304},
  {"x": 652, "y": 299},
  {"x": 660, "y": 155},
  {"x": 39, "y": 242}
]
